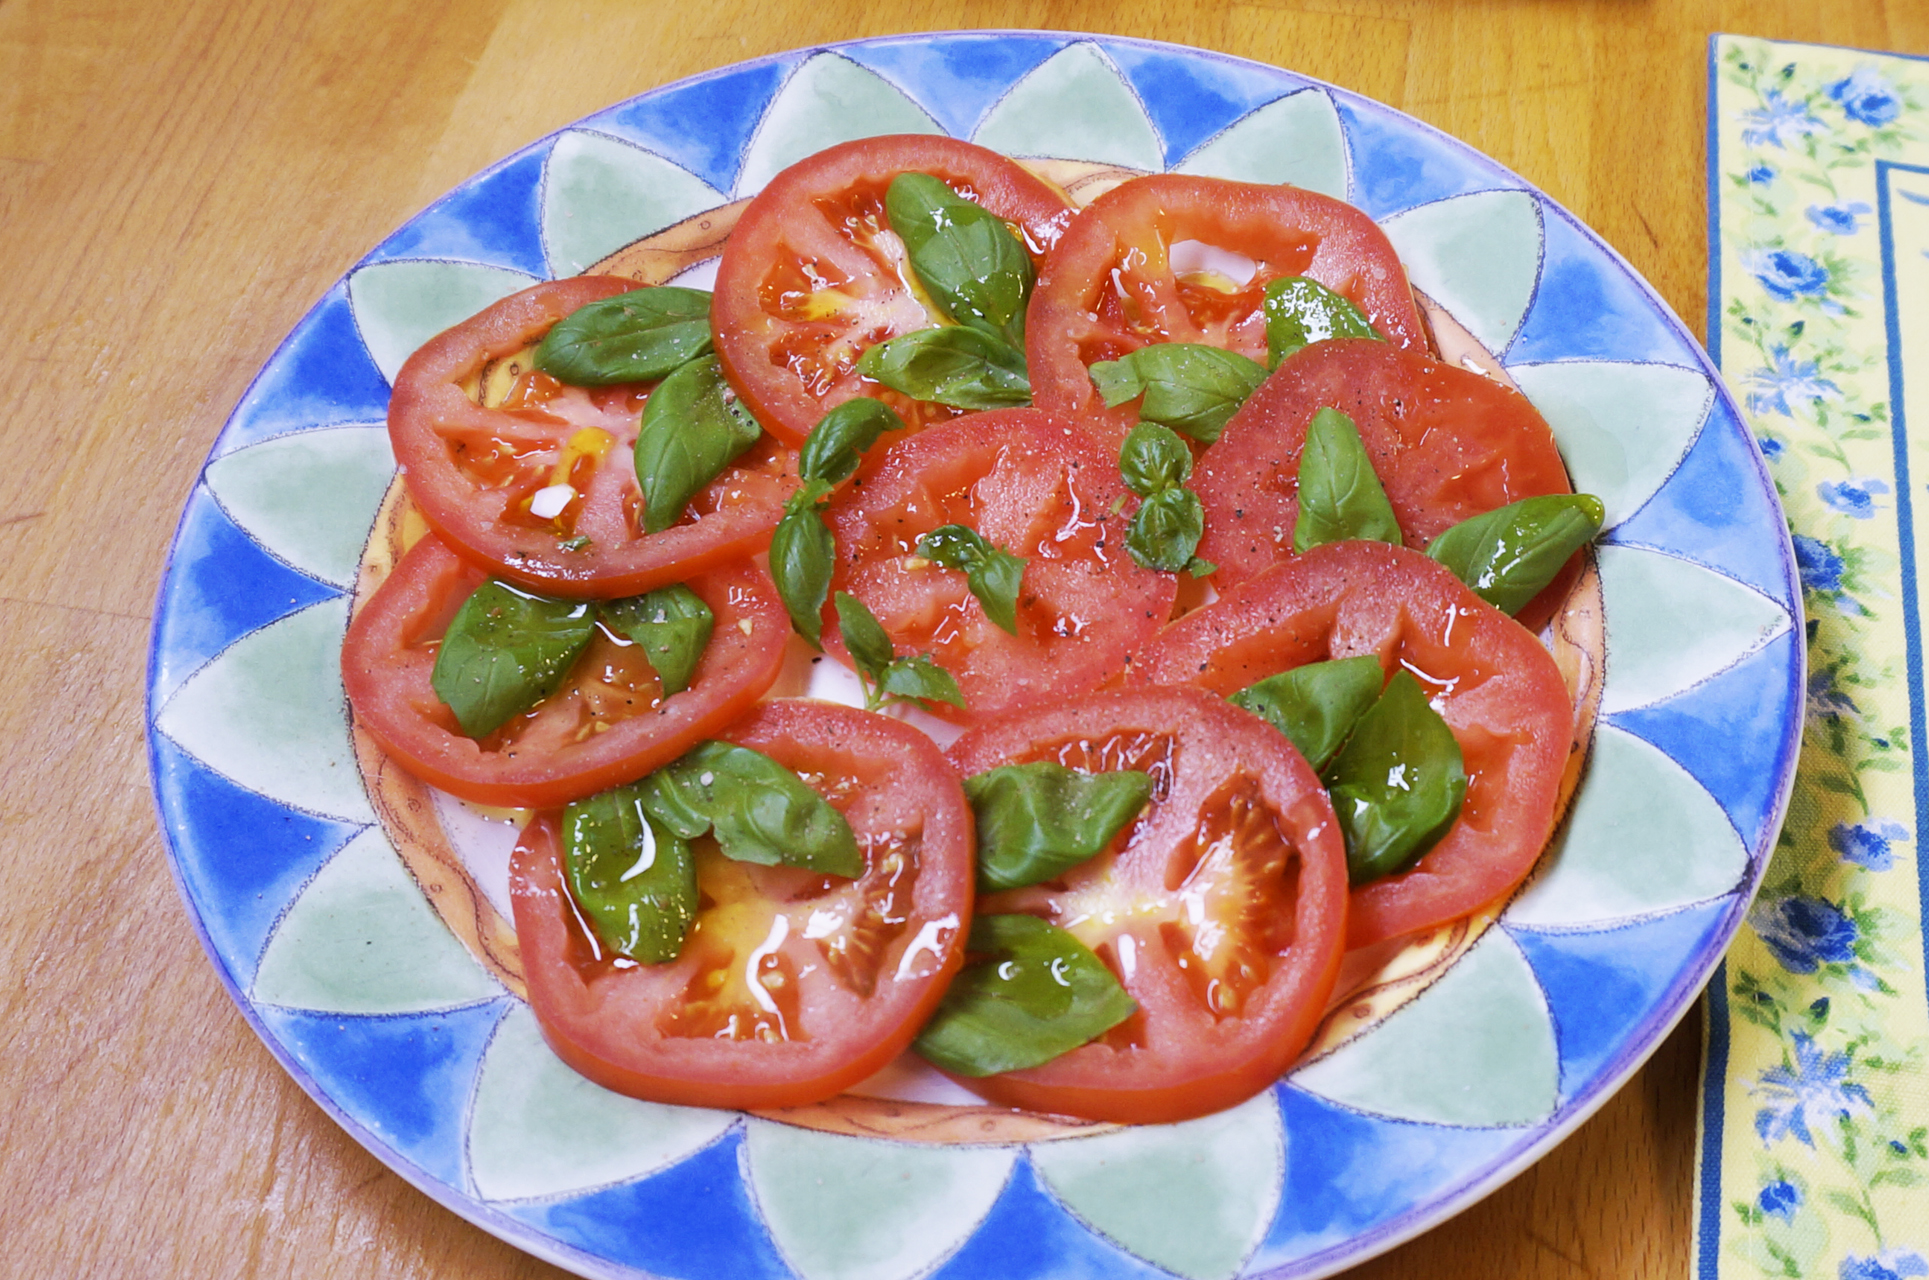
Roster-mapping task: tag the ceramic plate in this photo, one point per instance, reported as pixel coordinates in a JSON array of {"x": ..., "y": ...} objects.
[{"x": 368, "y": 970}]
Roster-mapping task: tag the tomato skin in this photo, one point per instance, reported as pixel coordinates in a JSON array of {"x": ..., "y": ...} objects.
[
  {"x": 434, "y": 422},
  {"x": 1108, "y": 287},
  {"x": 1034, "y": 485},
  {"x": 1446, "y": 443},
  {"x": 790, "y": 222},
  {"x": 1178, "y": 1060},
  {"x": 386, "y": 669},
  {"x": 1498, "y": 689},
  {"x": 607, "y": 1022}
]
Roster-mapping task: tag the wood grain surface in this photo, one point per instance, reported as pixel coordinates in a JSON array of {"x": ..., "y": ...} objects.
[{"x": 180, "y": 182}]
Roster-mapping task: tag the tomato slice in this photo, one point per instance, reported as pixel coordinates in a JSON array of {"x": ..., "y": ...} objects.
[
  {"x": 1446, "y": 443},
  {"x": 1032, "y": 485},
  {"x": 473, "y": 469},
  {"x": 608, "y": 724},
  {"x": 1114, "y": 282},
  {"x": 1221, "y": 909},
  {"x": 813, "y": 276},
  {"x": 1498, "y": 689},
  {"x": 791, "y": 986}
]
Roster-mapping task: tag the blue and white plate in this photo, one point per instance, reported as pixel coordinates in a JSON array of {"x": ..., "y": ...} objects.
[{"x": 336, "y": 947}]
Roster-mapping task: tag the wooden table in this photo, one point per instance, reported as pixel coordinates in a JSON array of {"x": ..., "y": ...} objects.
[{"x": 179, "y": 182}]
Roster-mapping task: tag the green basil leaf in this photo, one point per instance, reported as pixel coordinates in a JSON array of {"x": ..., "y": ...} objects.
[
  {"x": 802, "y": 555},
  {"x": 994, "y": 575},
  {"x": 864, "y": 638},
  {"x": 1165, "y": 530},
  {"x": 1197, "y": 568},
  {"x": 1508, "y": 555},
  {"x": 1036, "y": 821},
  {"x": 837, "y": 443},
  {"x": 953, "y": 365},
  {"x": 673, "y": 625},
  {"x": 693, "y": 427},
  {"x": 1316, "y": 705},
  {"x": 1188, "y": 386},
  {"x": 633, "y": 337},
  {"x": 636, "y": 885},
  {"x": 1339, "y": 495},
  {"x": 1397, "y": 784},
  {"x": 1153, "y": 458},
  {"x": 917, "y": 676},
  {"x": 967, "y": 259},
  {"x": 1038, "y": 992},
  {"x": 1117, "y": 381},
  {"x": 758, "y": 810},
  {"x": 1301, "y": 311},
  {"x": 505, "y": 651}
]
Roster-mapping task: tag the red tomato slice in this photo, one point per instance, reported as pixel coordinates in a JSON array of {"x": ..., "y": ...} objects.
[
  {"x": 608, "y": 724},
  {"x": 791, "y": 986},
  {"x": 1036, "y": 487},
  {"x": 1446, "y": 443},
  {"x": 1111, "y": 286},
  {"x": 813, "y": 276},
  {"x": 1222, "y": 910},
  {"x": 1497, "y": 688},
  {"x": 472, "y": 471}
]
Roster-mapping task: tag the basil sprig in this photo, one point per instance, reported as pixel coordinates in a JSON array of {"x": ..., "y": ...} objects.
[
  {"x": 993, "y": 574},
  {"x": 1317, "y": 705},
  {"x": 951, "y": 365},
  {"x": 673, "y": 626},
  {"x": 1036, "y": 821},
  {"x": 506, "y": 650},
  {"x": 1397, "y": 784},
  {"x": 802, "y": 551},
  {"x": 638, "y": 336},
  {"x": 758, "y": 810},
  {"x": 1509, "y": 554},
  {"x": 1301, "y": 311},
  {"x": 1155, "y": 464},
  {"x": 1339, "y": 495},
  {"x": 1038, "y": 992},
  {"x": 884, "y": 675},
  {"x": 693, "y": 427},
  {"x": 967, "y": 259},
  {"x": 635, "y": 881},
  {"x": 1188, "y": 386}
]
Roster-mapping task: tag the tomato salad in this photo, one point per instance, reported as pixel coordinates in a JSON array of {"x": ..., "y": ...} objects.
[{"x": 1164, "y": 503}]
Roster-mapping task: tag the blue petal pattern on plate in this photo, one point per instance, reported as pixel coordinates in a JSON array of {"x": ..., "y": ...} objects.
[{"x": 334, "y": 954}]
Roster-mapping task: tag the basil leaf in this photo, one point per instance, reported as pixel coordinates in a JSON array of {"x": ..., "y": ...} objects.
[
  {"x": 992, "y": 574},
  {"x": 964, "y": 255},
  {"x": 1038, "y": 993},
  {"x": 864, "y": 637},
  {"x": 758, "y": 810},
  {"x": 505, "y": 651},
  {"x": 632, "y": 337},
  {"x": 1039, "y": 820},
  {"x": 1302, "y": 311},
  {"x": 637, "y": 885},
  {"x": 673, "y": 625},
  {"x": 1397, "y": 784},
  {"x": 1117, "y": 381},
  {"x": 884, "y": 674},
  {"x": 1153, "y": 458},
  {"x": 1197, "y": 568},
  {"x": 953, "y": 365},
  {"x": 1165, "y": 531},
  {"x": 802, "y": 555},
  {"x": 1509, "y": 554},
  {"x": 1188, "y": 386},
  {"x": 837, "y": 443},
  {"x": 1339, "y": 495},
  {"x": 917, "y": 676},
  {"x": 693, "y": 427},
  {"x": 1316, "y": 705}
]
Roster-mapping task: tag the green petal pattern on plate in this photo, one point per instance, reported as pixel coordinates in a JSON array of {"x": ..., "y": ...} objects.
[
  {"x": 361, "y": 938},
  {"x": 827, "y": 100},
  {"x": 1193, "y": 1198},
  {"x": 1672, "y": 624},
  {"x": 843, "y": 1208},
  {"x": 537, "y": 1129},
  {"x": 1074, "y": 106},
  {"x": 401, "y": 305},
  {"x": 1477, "y": 255},
  {"x": 1296, "y": 139},
  {"x": 600, "y": 193},
  {"x": 309, "y": 497}
]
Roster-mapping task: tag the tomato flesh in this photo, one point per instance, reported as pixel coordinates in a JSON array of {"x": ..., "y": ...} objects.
[
  {"x": 791, "y": 986},
  {"x": 1221, "y": 908}
]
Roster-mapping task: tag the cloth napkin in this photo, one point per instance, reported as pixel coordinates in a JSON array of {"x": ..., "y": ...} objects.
[{"x": 1815, "y": 1102}]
